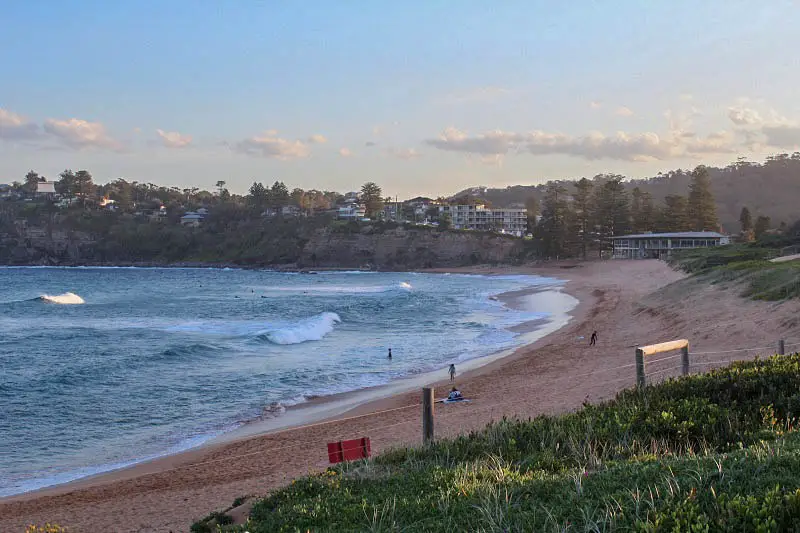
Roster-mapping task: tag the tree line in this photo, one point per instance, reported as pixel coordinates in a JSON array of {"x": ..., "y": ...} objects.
[{"x": 581, "y": 218}]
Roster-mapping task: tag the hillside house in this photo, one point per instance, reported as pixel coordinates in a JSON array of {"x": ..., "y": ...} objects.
[
  {"x": 661, "y": 245},
  {"x": 352, "y": 212},
  {"x": 512, "y": 221},
  {"x": 192, "y": 219}
]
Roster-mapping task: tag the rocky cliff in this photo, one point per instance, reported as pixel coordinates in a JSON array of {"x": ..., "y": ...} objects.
[{"x": 408, "y": 248}]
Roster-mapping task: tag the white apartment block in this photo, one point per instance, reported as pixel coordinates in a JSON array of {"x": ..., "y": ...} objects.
[{"x": 478, "y": 217}]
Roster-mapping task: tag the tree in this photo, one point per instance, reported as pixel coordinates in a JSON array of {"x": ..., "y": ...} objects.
[
  {"x": 553, "y": 228},
  {"x": 672, "y": 216},
  {"x": 258, "y": 197},
  {"x": 66, "y": 184},
  {"x": 84, "y": 186},
  {"x": 701, "y": 208},
  {"x": 761, "y": 226},
  {"x": 583, "y": 215},
  {"x": 220, "y": 185},
  {"x": 746, "y": 220},
  {"x": 533, "y": 209},
  {"x": 372, "y": 198},
  {"x": 613, "y": 210},
  {"x": 31, "y": 182},
  {"x": 278, "y": 196},
  {"x": 445, "y": 222}
]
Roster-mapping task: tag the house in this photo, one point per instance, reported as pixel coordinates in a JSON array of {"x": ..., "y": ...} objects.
[
  {"x": 392, "y": 211},
  {"x": 352, "y": 212},
  {"x": 108, "y": 204},
  {"x": 512, "y": 221},
  {"x": 46, "y": 188},
  {"x": 5, "y": 190},
  {"x": 351, "y": 197},
  {"x": 286, "y": 211},
  {"x": 661, "y": 245},
  {"x": 202, "y": 211},
  {"x": 192, "y": 219}
]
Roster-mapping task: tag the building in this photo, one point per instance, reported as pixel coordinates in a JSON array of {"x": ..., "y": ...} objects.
[
  {"x": 661, "y": 245},
  {"x": 46, "y": 188},
  {"x": 352, "y": 212},
  {"x": 192, "y": 219},
  {"x": 393, "y": 211},
  {"x": 511, "y": 220}
]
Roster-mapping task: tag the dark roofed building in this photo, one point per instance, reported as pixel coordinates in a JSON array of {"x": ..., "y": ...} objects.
[{"x": 661, "y": 245}]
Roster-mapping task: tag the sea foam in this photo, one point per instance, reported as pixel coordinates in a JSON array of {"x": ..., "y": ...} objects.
[
  {"x": 309, "y": 329},
  {"x": 68, "y": 298}
]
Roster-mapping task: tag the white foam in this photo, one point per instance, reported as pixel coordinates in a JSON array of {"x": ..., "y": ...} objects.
[
  {"x": 405, "y": 285},
  {"x": 68, "y": 298},
  {"x": 309, "y": 329}
]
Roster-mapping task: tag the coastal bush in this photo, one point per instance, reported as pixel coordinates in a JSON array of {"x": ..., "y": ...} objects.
[{"x": 713, "y": 452}]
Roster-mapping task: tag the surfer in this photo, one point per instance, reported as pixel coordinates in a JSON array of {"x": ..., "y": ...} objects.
[
  {"x": 593, "y": 339},
  {"x": 390, "y": 354},
  {"x": 452, "y": 371},
  {"x": 455, "y": 395}
]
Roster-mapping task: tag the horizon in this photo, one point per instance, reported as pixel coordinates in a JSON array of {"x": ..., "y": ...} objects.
[{"x": 425, "y": 101}]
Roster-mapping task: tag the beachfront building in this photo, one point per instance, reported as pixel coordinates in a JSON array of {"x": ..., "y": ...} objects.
[
  {"x": 352, "y": 212},
  {"x": 661, "y": 245},
  {"x": 478, "y": 217}
]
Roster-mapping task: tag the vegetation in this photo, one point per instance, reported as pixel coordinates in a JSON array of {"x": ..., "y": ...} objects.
[{"x": 715, "y": 452}]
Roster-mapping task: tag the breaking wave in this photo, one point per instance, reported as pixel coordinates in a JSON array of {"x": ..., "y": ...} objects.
[
  {"x": 68, "y": 298},
  {"x": 309, "y": 329}
]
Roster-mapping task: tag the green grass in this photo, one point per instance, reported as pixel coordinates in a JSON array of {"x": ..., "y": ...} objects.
[
  {"x": 716, "y": 452},
  {"x": 746, "y": 266}
]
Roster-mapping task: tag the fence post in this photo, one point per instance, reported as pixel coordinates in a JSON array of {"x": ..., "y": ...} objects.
[
  {"x": 427, "y": 415},
  {"x": 685, "y": 359},
  {"x": 640, "y": 381},
  {"x": 781, "y": 347}
]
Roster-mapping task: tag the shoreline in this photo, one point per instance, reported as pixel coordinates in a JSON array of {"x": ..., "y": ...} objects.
[{"x": 337, "y": 406}]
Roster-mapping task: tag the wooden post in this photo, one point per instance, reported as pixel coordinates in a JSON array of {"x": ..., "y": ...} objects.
[
  {"x": 685, "y": 359},
  {"x": 781, "y": 347},
  {"x": 427, "y": 415},
  {"x": 640, "y": 381}
]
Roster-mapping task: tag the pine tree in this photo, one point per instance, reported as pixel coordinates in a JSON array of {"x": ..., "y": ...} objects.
[
  {"x": 672, "y": 216},
  {"x": 583, "y": 215},
  {"x": 636, "y": 210},
  {"x": 746, "y": 220},
  {"x": 613, "y": 210},
  {"x": 646, "y": 220},
  {"x": 553, "y": 228},
  {"x": 701, "y": 209},
  {"x": 372, "y": 198},
  {"x": 761, "y": 226}
]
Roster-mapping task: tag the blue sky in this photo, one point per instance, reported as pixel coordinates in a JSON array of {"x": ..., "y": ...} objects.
[{"x": 421, "y": 97}]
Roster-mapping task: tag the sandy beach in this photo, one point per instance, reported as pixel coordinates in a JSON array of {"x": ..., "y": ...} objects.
[{"x": 627, "y": 303}]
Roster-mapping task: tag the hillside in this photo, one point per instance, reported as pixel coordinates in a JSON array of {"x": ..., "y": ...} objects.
[
  {"x": 771, "y": 188},
  {"x": 713, "y": 452}
]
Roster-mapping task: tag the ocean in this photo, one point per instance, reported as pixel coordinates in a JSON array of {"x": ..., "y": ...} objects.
[{"x": 101, "y": 368}]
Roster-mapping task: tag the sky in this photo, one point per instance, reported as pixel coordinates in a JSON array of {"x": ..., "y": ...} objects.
[{"x": 422, "y": 97}]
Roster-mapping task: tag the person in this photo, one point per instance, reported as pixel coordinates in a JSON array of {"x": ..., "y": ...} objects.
[
  {"x": 390, "y": 354},
  {"x": 593, "y": 340},
  {"x": 452, "y": 371},
  {"x": 455, "y": 394}
]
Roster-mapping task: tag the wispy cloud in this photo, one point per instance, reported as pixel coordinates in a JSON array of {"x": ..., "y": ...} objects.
[
  {"x": 173, "y": 139},
  {"x": 317, "y": 139},
  {"x": 594, "y": 104},
  {"x": 271, "y": 146},
  {"x": 403, "y": 153},
  {"x": 623, "y": 111},
  {"x": 15, "y": 127},
  {"x": 79, "y": 134},
  {"x": 345, "y": 152}
]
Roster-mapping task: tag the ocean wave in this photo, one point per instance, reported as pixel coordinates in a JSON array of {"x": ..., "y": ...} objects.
[
  {"x": 309, "y": 329},
  {"x": 68, "y": 298},
  {"x": 405, "y": 285}
]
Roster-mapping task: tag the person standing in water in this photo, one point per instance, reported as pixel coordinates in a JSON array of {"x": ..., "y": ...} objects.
[
  {"x": 390, "y": 354},
  {"x": 452, "y": 371},
  {"x": 593, "y": 340}
]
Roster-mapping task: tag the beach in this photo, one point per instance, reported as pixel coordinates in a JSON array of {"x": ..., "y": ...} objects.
[{"x": 628, "y": 303}]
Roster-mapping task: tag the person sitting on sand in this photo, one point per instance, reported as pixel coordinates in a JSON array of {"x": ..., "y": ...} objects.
[{"x": 454, "y": 395}]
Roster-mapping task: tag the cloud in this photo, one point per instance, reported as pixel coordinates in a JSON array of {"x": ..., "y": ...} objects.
[
  {"x": 403, "y": 153},
  {"x": 782, "y": 135},
  {"x": 345, "y": 152},
  {"x": 79, "y": 134},
  {"x": 15, "y": 127},
  {"x": 620, "y": 146},
  {"x": 271, "y": 146},
  {"x": 744, "y": 116},
  {"x": 369, "y": 144},
  {"x": 317, "y": 139},
  {"x": 686, "y": 97},
  {"x": 173, "y": 139},
  {"x": 623, "y": 111},
  {"x": 477, "y": 95},
  {"x": 594, "y": 104}
]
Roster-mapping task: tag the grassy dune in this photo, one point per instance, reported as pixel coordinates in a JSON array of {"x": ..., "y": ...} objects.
[{"x": 714, "y": 452}]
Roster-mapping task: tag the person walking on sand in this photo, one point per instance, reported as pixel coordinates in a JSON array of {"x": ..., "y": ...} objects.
[
  {"x": 452, "y": 371},
  {"x": 593, "y": 340}
]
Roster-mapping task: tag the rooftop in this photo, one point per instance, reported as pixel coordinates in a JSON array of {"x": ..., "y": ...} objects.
[{"x": 676, "y": 235}]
